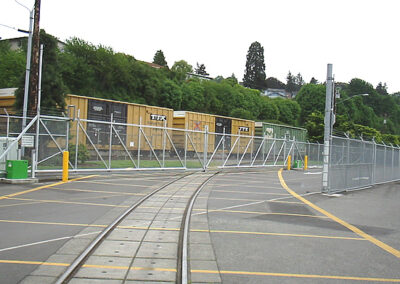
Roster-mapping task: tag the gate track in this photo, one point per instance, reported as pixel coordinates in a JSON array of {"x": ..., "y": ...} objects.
[{"x": 182, "y": 263}]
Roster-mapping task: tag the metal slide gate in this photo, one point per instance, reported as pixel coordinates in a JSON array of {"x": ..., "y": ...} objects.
[{"x": 109, "y": 146}]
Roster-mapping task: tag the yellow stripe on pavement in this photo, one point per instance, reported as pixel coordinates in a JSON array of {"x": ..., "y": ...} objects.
[
  {"x": 356, "y": 230},
  {"x": 201, "y": 271},
  {"x": 279, "y": 234},
  {"x": 177, "y": 229},
  {"x": 71, "y": 202},
  {"x": 290, "y": 275},
  {"x": 42, "y": 187}
]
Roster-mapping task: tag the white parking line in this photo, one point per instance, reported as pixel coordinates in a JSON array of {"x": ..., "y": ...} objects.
[
  {"x": 47, "y": 241},
  {"x": 248, "y": 204}
]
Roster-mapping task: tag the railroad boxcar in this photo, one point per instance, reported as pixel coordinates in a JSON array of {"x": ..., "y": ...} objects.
[
  {"x": 98, "y": 109},
  {"x": 217, "y": 125},
  {"x": 271, "y": 130}
]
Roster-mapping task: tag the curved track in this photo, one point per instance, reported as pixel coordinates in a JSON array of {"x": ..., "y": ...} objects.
[{"x": 182, "y": 192}]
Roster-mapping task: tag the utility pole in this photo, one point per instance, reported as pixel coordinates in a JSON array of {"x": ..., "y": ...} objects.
[
  {"x": 328, "y": 128},
  {"x": 33, "y": 98}
]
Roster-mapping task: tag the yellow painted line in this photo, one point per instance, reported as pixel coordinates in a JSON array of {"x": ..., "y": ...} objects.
[
  {"x": 18, "y": 204},
  {"x": 201, "y": 271},
  {"x": 70, "y": 202},
  {"x": 51, "y": 223},
  {"x": 177, "y": 229},
  {"x": 154, "y": 269},
  {"x": 250, "y": 273},
  {"x": 85, "y": 225},
  {"x": 356, "y": 230},
  {"x": 100, "y": 191},
  {"x": 110, "y": 183},
  {"x": 42, "y": 187},
  {"x": 268, "y": 213},
  {"x": 279, "y": 234},
  {"x": 249, "y": 192},
  {"x": 33, "y": 262}
]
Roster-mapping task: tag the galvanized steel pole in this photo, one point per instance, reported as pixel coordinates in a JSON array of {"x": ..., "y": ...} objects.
[
  {"x": 328, "y": 128},
  {"x": 28, "y": 69}
]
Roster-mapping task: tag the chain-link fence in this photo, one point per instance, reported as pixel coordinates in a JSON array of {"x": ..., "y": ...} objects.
[
  {"x": 355, "y": 164},
  {"x": 109, "y": 145}
]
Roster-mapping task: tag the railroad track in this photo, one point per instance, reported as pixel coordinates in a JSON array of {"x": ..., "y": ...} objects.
[{"x": 181, "y": 192}]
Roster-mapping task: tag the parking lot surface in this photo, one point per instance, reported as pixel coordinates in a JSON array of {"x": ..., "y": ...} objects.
[{"x": 248, "y": 227}]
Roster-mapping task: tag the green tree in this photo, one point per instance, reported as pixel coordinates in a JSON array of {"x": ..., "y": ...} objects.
[
  {"x": 291, "y": 85},
  {"x": 254, "y": 76},
  {"x": 289, "y": 111},
  {"x": 299, "y": 81},
  {"x": 159, "y": 59},
  {"x": 274, "y": 83},
  {"x": 382, "y": 89},
  {"x": 192, "y": 95},
  {"x": 269, "y": 110},
  {"x": 171, "y": 95},
  {"x": 315, "y": 126},
  {"x": 311, "y": 98},
  {"x": 180, "y": 69},
  {"x": 12, "y": 65},
  {"x": 53, "y": 88},
  {"x": 242, "y": 113},
  {"x": 201, "y": 70}
]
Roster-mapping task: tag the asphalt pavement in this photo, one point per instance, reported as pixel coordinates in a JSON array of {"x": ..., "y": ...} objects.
[{"x": 265, "y": 226}]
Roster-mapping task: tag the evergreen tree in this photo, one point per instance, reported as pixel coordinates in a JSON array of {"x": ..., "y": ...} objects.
[
  {"x": 254, "y": 76},
  {"x": 299, "y": 81},
  {"x": 159, "y": 59},
  {"x": 382, "y": 89},
  {"x": 290, "y": 82},
  {"x": 201, "y": 70},
  {"x": 274, "y": 83}
]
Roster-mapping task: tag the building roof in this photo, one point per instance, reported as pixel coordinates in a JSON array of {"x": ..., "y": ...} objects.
[{"x": 7, "y": 92}]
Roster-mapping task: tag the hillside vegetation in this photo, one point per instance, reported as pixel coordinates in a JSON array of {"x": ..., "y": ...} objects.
[{"x": 97, "y": 71}]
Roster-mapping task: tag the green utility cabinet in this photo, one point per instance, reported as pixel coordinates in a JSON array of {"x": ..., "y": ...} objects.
[
  {"x": 297, "y": 164},
  {"x": 17, "y": 169}
]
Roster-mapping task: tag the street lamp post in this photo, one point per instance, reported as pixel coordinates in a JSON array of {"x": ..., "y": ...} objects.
[
  {"x": 328, "y": 127},
  {"x": 329, "y": 121},
  {"x": 28, "y": 64}
]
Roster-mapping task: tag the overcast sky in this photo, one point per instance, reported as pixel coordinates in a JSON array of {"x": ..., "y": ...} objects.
[{"x": 359, "y": 37}]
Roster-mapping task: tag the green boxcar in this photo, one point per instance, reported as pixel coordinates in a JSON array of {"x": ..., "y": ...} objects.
[{"x": 278, "y": 131}]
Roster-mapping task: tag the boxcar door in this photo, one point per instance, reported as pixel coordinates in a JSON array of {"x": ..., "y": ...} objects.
[{"x": 222, "y": 123}]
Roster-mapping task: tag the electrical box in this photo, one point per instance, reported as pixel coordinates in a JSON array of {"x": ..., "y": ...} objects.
[{"x": 5, "y": 142}]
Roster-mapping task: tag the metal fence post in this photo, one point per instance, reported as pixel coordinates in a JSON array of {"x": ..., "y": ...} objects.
[
  {"x": 384, "y": 164},
  {"x": 8, "y": 123},
  {"x": 186, "y": 143},
  {"x": 205, "y": 147},
  {"x": 223, "y": 145},
  {"x": 33, "y": 167},
  {"x": 238, "y": 150},
  {"x": 110, "y": 141},
  {"x": 392, "y": 178},
  {"x": 77, "y": 139},
  {"x": 139, "y": 140},
  {"x": 373, "y": 162},
  {"x": 164, "y": 143}
]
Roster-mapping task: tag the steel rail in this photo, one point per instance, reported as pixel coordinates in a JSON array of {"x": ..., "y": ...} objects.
[
  {"x": 183, "y": 267},
  {"x": 78, "y": 262}
]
